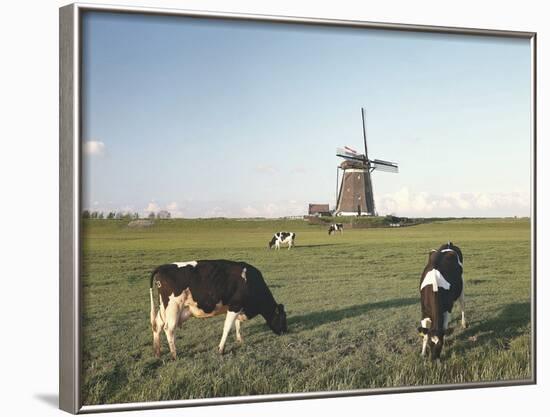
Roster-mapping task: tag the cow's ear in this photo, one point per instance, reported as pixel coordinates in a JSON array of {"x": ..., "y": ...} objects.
[{"x": 281, "y": 307}]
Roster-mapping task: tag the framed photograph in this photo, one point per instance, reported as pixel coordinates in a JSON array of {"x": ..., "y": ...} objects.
[{"x": 259, "y": 208}]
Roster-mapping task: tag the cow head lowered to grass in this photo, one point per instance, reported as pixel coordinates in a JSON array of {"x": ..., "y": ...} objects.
[
  {"x": 336, "y": 227},
  {"x": 441, "y": 285},
  {"x": 208, "y": 288},
  {"x": 281, "y": 238}
]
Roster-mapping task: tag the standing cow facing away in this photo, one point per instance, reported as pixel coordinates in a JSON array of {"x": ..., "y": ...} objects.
[
  {"x": 441, "y": 285},
  {"x": 208, "y": 288},
  {"x": 280, "y": 238},
  {"x": 336, "y": 227}
]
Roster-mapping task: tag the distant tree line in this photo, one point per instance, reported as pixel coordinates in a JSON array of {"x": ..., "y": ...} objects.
[
  {"x": 163, "y": 214},
  {"x": 391, "y": 219},
  {"x": 124, "y": 215},
  {"x": 118, "y": 215}
]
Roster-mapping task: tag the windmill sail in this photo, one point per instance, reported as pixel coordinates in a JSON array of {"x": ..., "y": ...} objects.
[
  {"x": 385, "y": 166},
  {"x": 364, "y": 131},
  {"x": 345, "y": 152}
]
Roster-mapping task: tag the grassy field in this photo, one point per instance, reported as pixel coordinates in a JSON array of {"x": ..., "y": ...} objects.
[{"x": 352, "y": 304}]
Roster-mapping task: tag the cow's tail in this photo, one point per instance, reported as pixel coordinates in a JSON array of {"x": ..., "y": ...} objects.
[{"x": 153, "y": 308}]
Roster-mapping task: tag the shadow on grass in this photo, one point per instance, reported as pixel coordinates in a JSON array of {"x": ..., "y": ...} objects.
[
  {"x": 476, "y": 281},
  {"x": 319, "y": 245},
  {"x": 507, "y": 325},
  {"x": 318, "y": 318}
]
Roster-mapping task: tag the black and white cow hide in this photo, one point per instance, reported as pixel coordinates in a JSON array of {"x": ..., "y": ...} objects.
[
  {"x": 208, "y": 288},
  {"x": 281, "y": 238},
  {"x": 336, "y": 227},
  {"x": 441, "y": 285}
]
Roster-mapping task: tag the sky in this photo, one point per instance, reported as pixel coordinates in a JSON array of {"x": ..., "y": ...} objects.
[{"x": 221, "y": 118}]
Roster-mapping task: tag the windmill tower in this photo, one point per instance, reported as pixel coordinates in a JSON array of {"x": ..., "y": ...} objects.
[{"x": 355, "y": 195}]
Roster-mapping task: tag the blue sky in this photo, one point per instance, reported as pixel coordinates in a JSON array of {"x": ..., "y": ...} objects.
[{"x": 224, "y": 118}]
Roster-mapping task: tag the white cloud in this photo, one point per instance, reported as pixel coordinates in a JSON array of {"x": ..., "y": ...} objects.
[
  {"x": 152, "y": 207},
  {"x": 216, "y": 212},
  {"x": 407, "y": 203},
  {"x": 174, "y": 210},
  {"x": 273, "y": 209},
  {"x": 250, "y": 211},
  {"x": 245, "y": 209},
  {"x": 483, "y": 201},
  {"x": 404, "y": 202},
  {"x": 94, "y": 147},
  {"x": 127, "y": 209},
  {"x": 265, "y": 169}
]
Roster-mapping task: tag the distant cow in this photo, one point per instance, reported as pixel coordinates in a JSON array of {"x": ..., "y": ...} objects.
[
  {"x": 280, "y": 238},
  {"x": 209, "y": 288},
  {"x": 441, "y": 285},
  {"x": 336, "y": 227}
]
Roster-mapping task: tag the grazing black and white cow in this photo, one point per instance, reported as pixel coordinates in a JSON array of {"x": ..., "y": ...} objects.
[
  {"x": 336, "y": 227},
  {"x": 206, "y": 289},
  {"x": 441, "y": 285},
  {"x": 280, "y": 238}
]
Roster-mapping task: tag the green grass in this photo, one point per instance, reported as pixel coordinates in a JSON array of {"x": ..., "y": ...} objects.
[{"x": 352, "y": 302}]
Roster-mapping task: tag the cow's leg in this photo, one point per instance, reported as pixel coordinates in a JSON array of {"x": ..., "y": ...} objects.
[
  {"x": 424, "y": 345},
  {"x": 462, "y": 303},
  {"x": 158, "y": 325},
  {"x": 238, "y": 331},
  {"x": 229, "y": 320},
  {"x": 446, "y": 320},
  {"x": 172, "y": 315},
  {"x": 426, "y": 324},
  {"x": 446, "y": 317}
]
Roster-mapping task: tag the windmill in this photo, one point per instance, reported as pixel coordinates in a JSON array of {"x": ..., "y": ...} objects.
[{"x": 355, "y": 195}]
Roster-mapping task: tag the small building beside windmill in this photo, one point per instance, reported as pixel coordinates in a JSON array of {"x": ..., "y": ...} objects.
[{"x": 319, "y": 210}]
